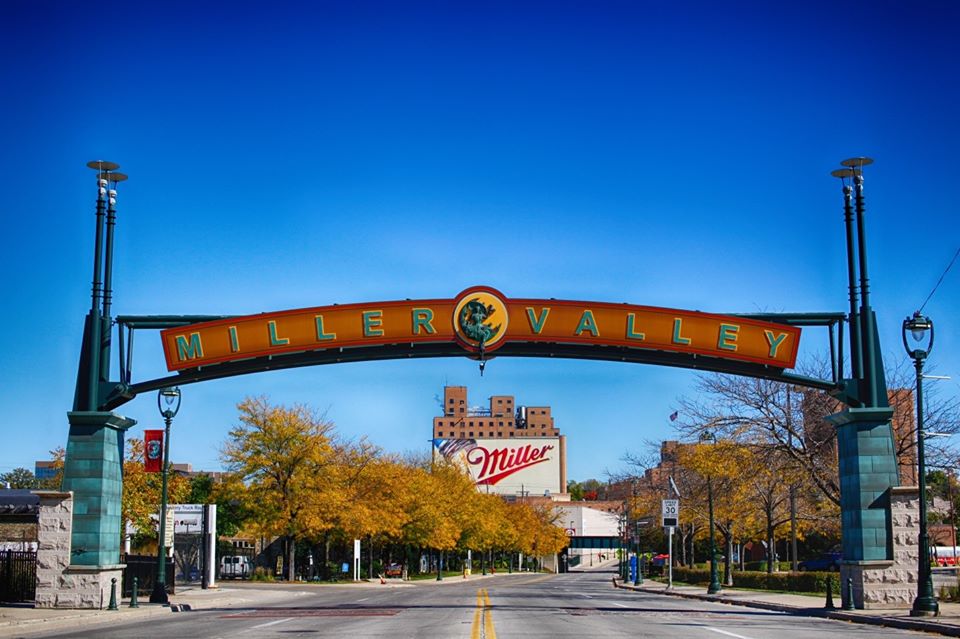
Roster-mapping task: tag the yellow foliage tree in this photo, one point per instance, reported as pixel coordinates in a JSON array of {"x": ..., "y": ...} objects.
[
  {"x": 141, "y": 491},
  {"x": 284, "y": 456}
]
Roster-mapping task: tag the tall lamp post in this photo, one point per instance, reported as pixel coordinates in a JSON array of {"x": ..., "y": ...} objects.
[
  {"x": 168, "y": 401},
  {"x": 920, "y": 329},
  {"x": 707, "y": 436}
]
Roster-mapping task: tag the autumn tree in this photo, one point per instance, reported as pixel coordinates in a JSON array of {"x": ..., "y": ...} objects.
[
  {"x": 790, "y": 421},
  {"x": 722, "y": 467},
  {"x": 283, "y": 455},
  {"x": 140, "y": 501}
]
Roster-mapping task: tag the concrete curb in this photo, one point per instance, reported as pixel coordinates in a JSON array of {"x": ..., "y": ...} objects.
[{"x": 890, "y": 622}]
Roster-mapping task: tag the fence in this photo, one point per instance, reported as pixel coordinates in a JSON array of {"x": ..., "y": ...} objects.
[
  {"x": 144, "y": 568},
  {"x": 18, "y": 576}
]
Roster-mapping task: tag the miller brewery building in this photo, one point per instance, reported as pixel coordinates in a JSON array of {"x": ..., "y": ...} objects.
[{"x": 509, "y": 450}]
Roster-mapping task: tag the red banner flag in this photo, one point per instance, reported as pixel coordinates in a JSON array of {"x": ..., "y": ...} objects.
[{"x": 152, "y": 451}]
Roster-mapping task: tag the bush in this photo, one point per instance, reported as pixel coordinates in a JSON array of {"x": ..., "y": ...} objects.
[
  {"x": 756, "y": 580},
  {"x": 761, "y": 566},
  {"x": 261, "y": 574}
]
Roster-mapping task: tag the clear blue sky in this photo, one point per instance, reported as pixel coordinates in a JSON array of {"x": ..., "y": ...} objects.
[{"x": 286, "y": 155}]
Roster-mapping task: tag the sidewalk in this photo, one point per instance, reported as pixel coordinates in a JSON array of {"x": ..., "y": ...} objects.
[
  {"x": 20, "y": 621},
  {"x": 948, "y": 623},
  {"x": 24, "y": 620}
]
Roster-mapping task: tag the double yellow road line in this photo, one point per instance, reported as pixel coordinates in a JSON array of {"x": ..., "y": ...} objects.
[{"x": 483, "y": 617}]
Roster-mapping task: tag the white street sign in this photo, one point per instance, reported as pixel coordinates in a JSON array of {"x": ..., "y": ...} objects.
[{"x": 670, "y": 509}]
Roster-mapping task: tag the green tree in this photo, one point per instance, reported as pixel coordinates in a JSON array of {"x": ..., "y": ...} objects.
[{"x": 19, "y": 478}]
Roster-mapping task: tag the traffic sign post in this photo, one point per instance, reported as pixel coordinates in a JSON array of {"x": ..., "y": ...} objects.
[
  {"x": 669, "y": 557},
  {"x": 670, "y": 510}
]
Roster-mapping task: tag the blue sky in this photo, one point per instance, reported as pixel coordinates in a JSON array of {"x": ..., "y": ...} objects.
[{"x": 285, "y": 155}]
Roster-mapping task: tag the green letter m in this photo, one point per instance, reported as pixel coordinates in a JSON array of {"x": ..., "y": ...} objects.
[{"x": 189, "y": 350}]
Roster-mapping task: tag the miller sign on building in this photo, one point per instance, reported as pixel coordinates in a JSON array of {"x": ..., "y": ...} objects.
[{"x": 520, "y": 467}]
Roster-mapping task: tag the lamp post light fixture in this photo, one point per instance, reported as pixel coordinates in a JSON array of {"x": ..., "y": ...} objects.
[
  {"x": 707, "y": 436},
  {"x": 920, "y": 328},
  {"x": 168, "y": 401}
]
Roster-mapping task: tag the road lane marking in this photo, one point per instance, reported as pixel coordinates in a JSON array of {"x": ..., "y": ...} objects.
[
  {"x": 621, "y": 605},
  {"x": 483, "y": 617},
  {"x": 364, "y": 599},
  {"x": 489, "y": 632},
  {"x": 264, "y": 625},
  {"x": 724, "y": 632}
]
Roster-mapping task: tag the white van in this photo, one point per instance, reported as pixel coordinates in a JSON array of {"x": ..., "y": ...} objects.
[{"x": 234, "y": 567}]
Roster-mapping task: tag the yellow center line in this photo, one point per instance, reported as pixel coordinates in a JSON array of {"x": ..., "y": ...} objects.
[
  {"x": 483, "y": 617},
  {"x": 488, "y": 617}
]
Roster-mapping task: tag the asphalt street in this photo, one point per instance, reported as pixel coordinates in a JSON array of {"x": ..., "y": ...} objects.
[{"x": 574, "y": 605}]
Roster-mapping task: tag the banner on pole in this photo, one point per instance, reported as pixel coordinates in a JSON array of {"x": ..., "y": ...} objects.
[{"x": 152, "y": 451}]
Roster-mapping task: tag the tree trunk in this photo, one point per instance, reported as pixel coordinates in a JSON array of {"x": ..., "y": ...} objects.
[
  {"x": 727, "y": 567},
  {"x": 326, "y": 557},
  {"x": 291, "y": 554},
  {"x": 771, "y": 550}
]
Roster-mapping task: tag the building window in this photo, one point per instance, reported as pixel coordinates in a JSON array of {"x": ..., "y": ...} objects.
[
  {"x": 451, "y": 401},
  {"x": 451, "y": 434},
  {"x": 499, "y": 401},
  {"x": 499, "y": 434},
  {"x": 511, "y": 434},
  {"x": 461, "y": 434},
  {"x": 500, "y": 424},
  {"x": 471, "y": 435},
  {"x": 471, "y": 424}
]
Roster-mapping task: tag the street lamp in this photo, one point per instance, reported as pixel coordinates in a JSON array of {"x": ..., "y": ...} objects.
[
  {"x": 168, "y": 401},
  {"x": 920, "y": 328},
  {"x": 707, "y": 436}
]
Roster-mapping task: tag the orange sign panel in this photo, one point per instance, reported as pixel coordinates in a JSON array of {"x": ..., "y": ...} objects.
[{"x": 481, "y": 319}]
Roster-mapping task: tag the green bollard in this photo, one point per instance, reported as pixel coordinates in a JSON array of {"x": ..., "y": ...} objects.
[
  {"x": 133, "y": 597},
  {"x": 113, "y": 595},
  {"x": 848, "y": 604},
  {"x": 829, "y": 604}
]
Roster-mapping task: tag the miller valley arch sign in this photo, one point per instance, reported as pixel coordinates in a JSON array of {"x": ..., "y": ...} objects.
[
  {"x": 480, "y": 322},
  {"x": 483, "y": 323}
]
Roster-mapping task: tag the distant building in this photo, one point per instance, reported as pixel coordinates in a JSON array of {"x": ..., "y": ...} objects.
[
  {"x": 514, "y": 451},
  {"x": 46, "y": 469}
]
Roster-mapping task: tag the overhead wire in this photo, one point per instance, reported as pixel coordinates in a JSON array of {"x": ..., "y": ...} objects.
[{"x": 940, "y": 281}]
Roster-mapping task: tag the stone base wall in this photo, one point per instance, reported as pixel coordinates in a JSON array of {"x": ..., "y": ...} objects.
[
  {"x": 890, "y": 584},
  {"x": 60, "y": 585}
]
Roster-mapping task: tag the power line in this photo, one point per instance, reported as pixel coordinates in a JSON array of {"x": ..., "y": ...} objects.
[{"x": 937, "y": 285}]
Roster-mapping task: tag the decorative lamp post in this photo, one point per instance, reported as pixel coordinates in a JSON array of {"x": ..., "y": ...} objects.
[
  {"x": 920, "y": 328},
  {"x": 168, "y": 401},
  {"x": 714, "y": 587}
]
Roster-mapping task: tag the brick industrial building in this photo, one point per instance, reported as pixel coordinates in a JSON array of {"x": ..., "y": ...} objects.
[{"x": 503, "y": 420}]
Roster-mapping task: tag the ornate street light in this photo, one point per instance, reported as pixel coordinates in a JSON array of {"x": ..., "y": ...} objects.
[
  {"x": 920, "y": 328},
  {"x": 168, "y": 401},
  {"x": 707, "y": 436}
]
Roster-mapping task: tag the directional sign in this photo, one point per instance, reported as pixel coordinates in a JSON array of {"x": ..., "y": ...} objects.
[{"x": 671, "y": 512}]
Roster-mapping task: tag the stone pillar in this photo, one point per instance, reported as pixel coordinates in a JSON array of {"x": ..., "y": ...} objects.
[
  {"x": 93, "y": 471},
  {"x": 53, "y": 545},
  {"x": 868, "y": 470},
  {"x": 893, "y": 583}
]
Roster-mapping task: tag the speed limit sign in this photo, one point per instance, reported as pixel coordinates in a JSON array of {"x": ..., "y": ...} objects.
[{"x": 671, "y": 512}]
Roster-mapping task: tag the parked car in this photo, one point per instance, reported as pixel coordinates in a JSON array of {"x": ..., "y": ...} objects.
[
  {"x": 234, "y": 567},
  {"x": 826, "y": 561}
]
